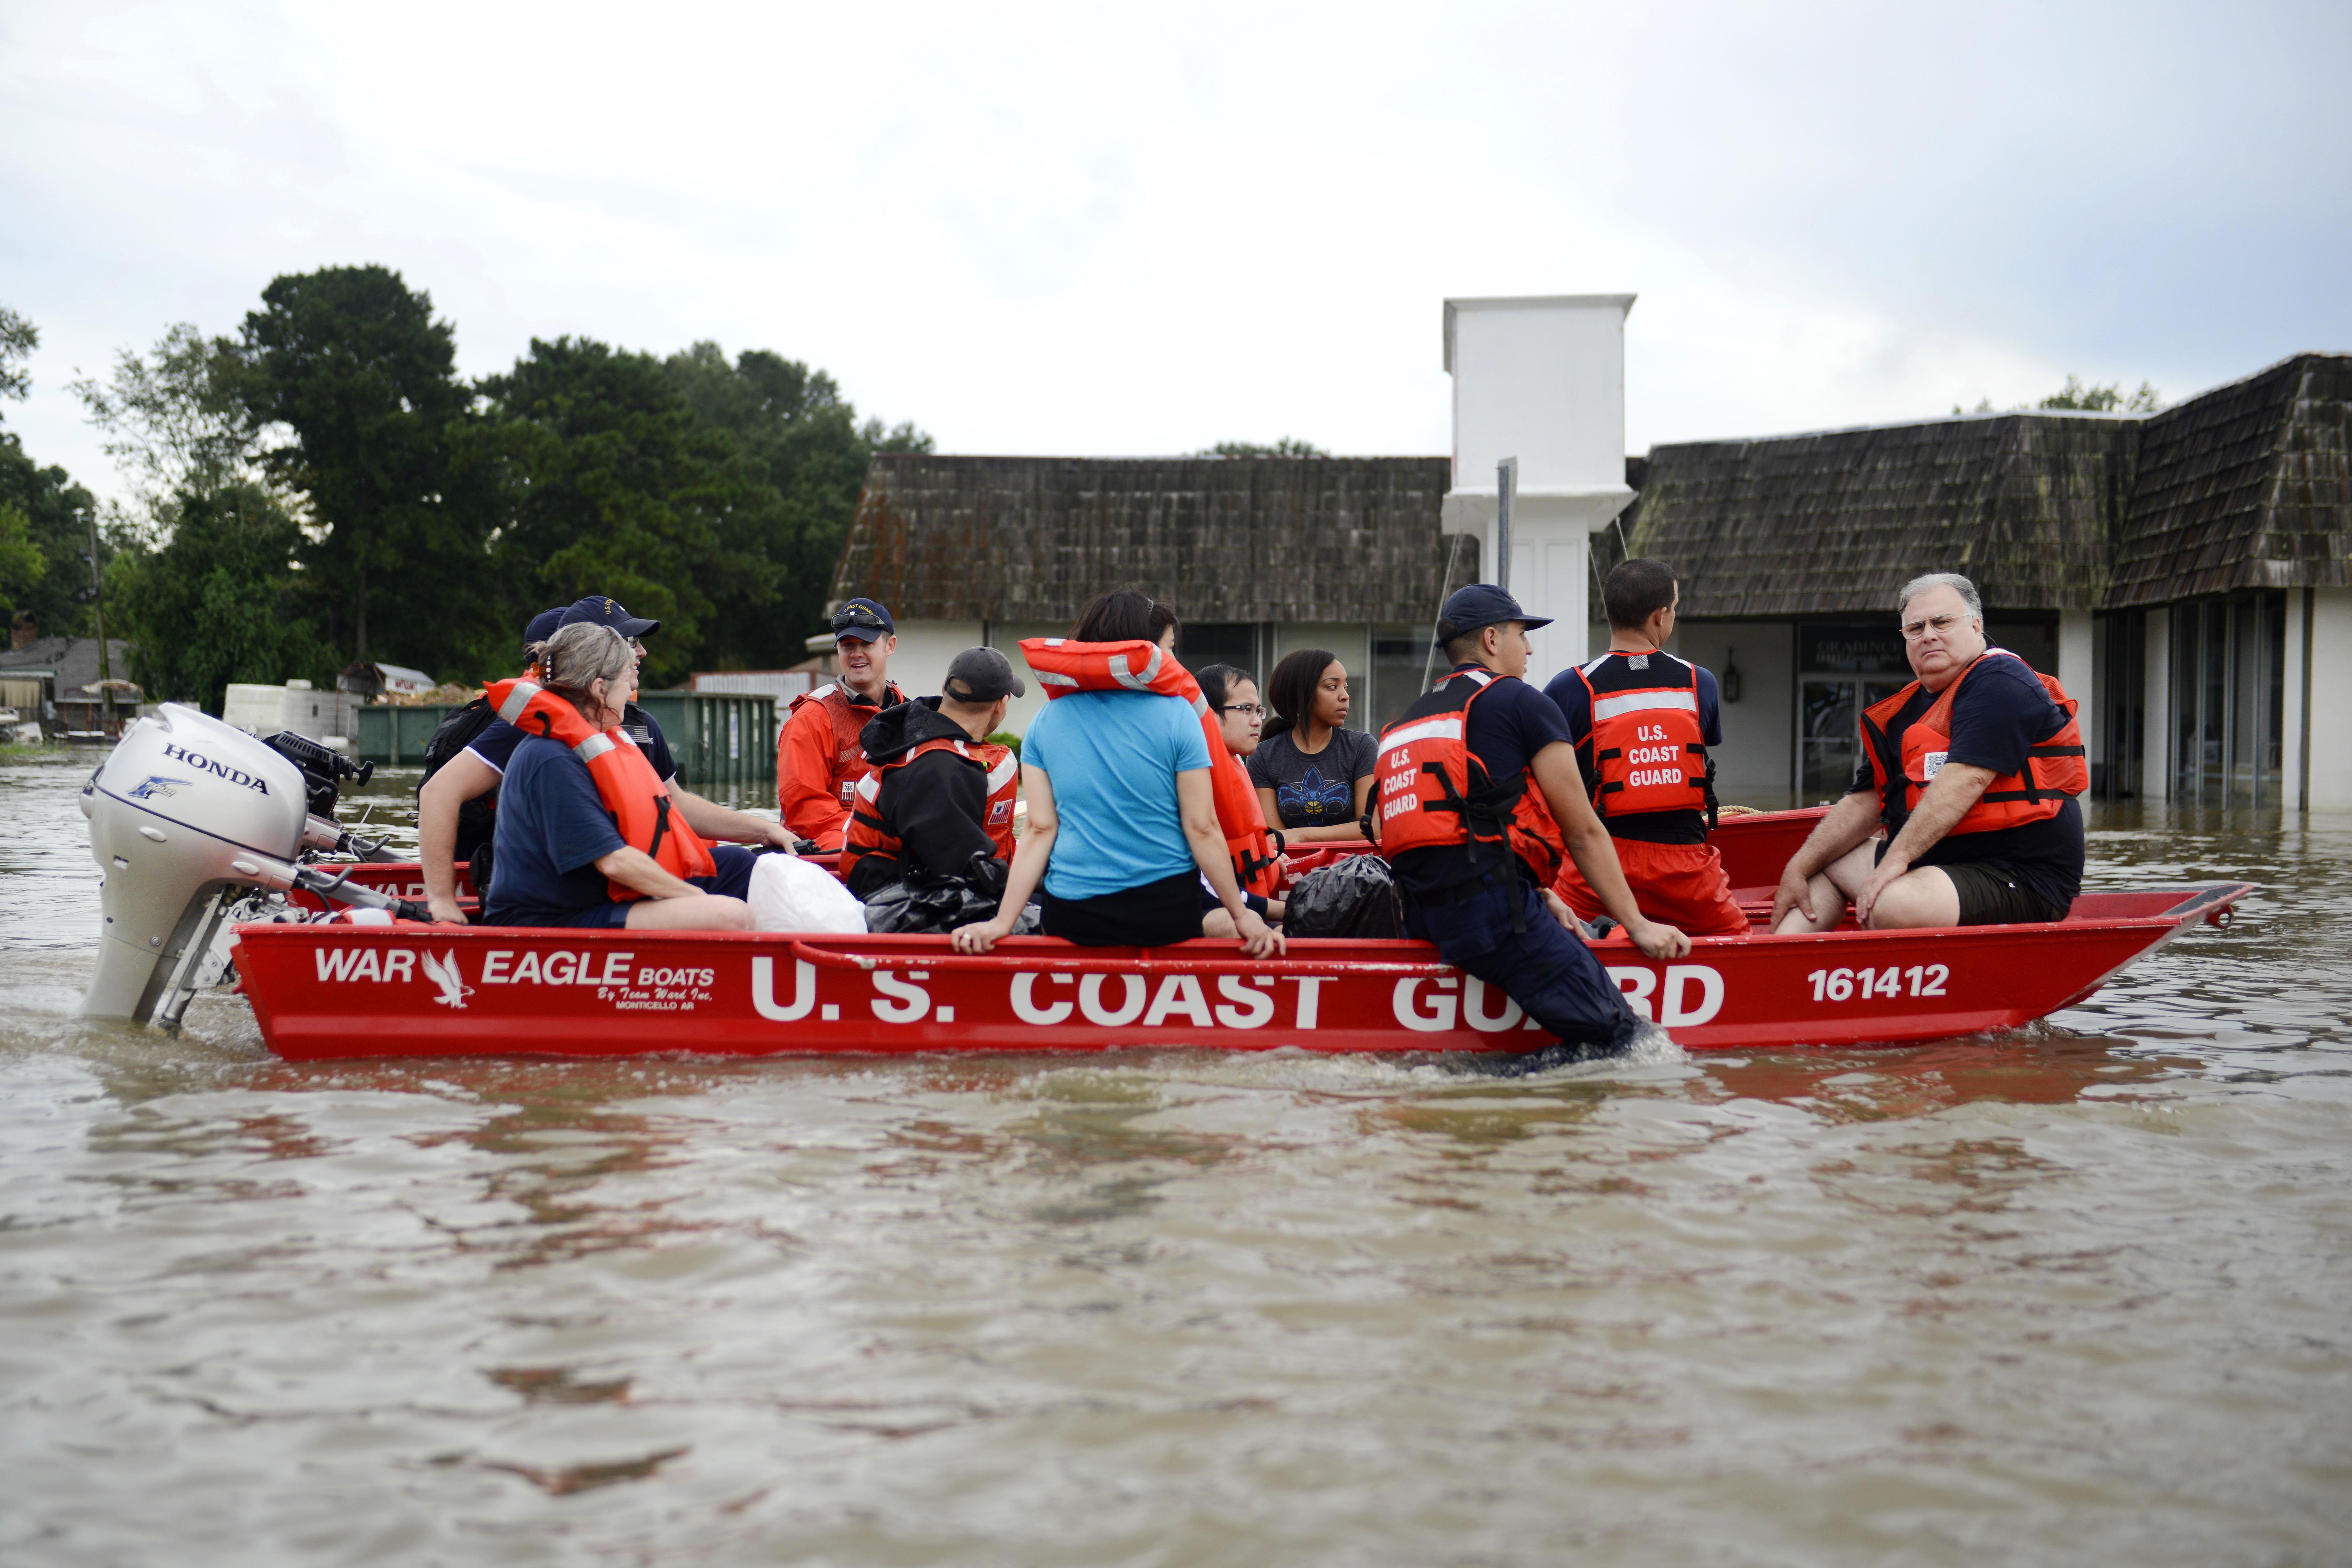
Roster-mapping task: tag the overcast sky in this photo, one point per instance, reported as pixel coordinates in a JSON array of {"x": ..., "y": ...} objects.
[{"x": 1101, "y": 230}]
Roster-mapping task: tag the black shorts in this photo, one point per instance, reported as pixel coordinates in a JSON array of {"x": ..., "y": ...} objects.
[
  {"x": 1991, "y": 892},
  {"x": 1152, "y": 915}
]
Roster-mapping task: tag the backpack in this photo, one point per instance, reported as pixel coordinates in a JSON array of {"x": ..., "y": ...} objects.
[
  {"x": 478, "y": 818},
  {"x": 1357, "y": 897}
]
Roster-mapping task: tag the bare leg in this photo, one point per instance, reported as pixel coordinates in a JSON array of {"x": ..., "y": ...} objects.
[
  {"x": 1217, "y": 922},
  {"x": 1923, "y": 896},
  {"x": 696, "y": 911},
  {"x": 1830, "y": 891}
]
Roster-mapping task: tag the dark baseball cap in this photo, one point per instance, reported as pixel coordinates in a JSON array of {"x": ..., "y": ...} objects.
[
  {"x": 544, "y": 624},
  {"x": 864, "y": 619},
  {"x": 601, "y": 611},
  {"x": 1481, "y": 605},
  {"x": 980, "y": 675}
]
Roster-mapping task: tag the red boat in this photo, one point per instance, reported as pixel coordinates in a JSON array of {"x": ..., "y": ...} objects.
[{"x": 347, "y": 990}]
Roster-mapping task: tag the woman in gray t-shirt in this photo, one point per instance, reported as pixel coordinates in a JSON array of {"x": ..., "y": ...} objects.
[{"x": 1313, "y": 774}]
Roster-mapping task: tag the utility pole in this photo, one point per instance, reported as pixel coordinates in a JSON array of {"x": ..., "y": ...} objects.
[
  {"x": 98, "y": 603},
  {"x": 1506, "y": 488}
]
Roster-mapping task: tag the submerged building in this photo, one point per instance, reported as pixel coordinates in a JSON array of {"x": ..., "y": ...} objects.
[{"x": 2188, "y": 574}]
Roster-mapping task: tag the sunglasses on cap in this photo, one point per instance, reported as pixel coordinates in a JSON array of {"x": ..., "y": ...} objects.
[{"x": 850, "y": 615}]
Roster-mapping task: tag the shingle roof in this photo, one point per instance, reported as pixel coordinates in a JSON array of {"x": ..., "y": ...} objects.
[
  {"x": 1841, "y": 520},
  {"x": 2248, "y": 485},
  {"x": 1222, "y": 538}
]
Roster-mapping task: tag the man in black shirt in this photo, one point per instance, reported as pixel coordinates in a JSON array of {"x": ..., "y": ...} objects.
[
  {"x": 1478, "y": 802},
  {"x": 1971, "y": 768}
]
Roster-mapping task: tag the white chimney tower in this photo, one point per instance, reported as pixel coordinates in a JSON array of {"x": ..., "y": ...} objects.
[{"x": 1541, "y": 380}]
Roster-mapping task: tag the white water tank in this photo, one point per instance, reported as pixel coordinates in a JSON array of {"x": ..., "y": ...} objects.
[{"x": 1542, "y": 379}]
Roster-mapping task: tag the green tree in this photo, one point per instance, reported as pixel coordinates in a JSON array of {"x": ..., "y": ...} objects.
[
  {"x": 616, "y": 487},
  {"x": 221, "y": 600},
  {"x": 1288, "y": 447},
  {"x": 18, "y": 339},
  {"x": 352, "y": 361},
  {"x": 22, "y": 562},
  {"x": 805, "y": 440},
  {"x": 2107, "y": 399},
  {"x": 177, "y": 420},
  {"x": 53, "y": 581}
]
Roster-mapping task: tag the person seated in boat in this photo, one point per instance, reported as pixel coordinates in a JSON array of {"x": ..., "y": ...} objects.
[
  {"x": 1313, "y": 774},
  {"x": 1123, "y": 807},
  {"x": 1232, "y": 697},
  {"x": 589, "y": 836},
  {"x": 818, "y": 758},
  {"x": 1478, "y": 798},
  {"x": 479, "y": 767},
  {"x": 1641, "y": 721},
  {"x": 936, "y": 799},
  {"x": 1971, "y": 771},
  {"x": 458, "y": 799}
]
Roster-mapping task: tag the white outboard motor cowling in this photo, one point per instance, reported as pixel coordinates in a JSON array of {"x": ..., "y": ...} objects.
[{"x": 185, "y": 811}]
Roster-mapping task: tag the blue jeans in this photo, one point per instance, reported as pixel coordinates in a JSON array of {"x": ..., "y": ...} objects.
[{"x": 1552, "y": 976}]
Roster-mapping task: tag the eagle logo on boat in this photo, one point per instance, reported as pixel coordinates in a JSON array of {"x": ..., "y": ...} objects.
[
  {"x": 443, "y": 972},
  {"x": 156, "y": 785}
]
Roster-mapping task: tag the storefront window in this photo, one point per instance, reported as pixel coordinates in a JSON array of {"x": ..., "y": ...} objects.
[{"x": 2229, "y": 677}]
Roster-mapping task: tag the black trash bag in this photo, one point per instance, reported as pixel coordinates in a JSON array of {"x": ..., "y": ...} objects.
[
  {"x": 927, "y": 902},
  {"x": 1357, "y": 897}
]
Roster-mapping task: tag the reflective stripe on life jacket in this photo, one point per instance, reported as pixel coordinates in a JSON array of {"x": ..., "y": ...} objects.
[
  {"x": 1434, "y": 792},
  {"x": 1647, "y": 751},
  {"x": 866, "y": 834},
  {"x": 848, "y": 719},
  {"x": 641, "y": 805},
  {"x": 1064, "y": 666},
  {"x": 1905, "y": 765}
]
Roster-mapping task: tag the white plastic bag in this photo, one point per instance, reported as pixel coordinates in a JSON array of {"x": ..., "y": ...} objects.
[{"x": 787, "y": 894}]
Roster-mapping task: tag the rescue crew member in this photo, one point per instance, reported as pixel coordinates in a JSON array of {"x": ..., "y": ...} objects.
[
  {"x": 563, "y": 857},
  {"x": 1314, "y": 774},
  {"x": 1122, "y": 812},
  {"x": 1973, "y": 770},
  {"x": 1231, "y": 696},
  {"x": 458, "y": 799},
  {"x": 939, "y": 797},
  {"x": 479, "y": 768},
  {"x": 1641, "y": 721},
  {"x": 818, "y": 759},
  {"x": 1477, "y": 799}
]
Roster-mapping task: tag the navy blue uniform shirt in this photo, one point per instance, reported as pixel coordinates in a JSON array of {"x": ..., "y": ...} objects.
[
  {"x": 552, "y": 829},
  {"x": 1575, "y": 704},
  {"x": 1509, "y": 722}
]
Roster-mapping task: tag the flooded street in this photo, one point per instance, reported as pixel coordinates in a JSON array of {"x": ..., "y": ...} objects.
[{"x": 2079, "y": 1295}]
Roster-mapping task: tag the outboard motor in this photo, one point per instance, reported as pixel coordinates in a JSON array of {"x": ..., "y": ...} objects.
[
  {"x": 323, "y": 771},
  {"x": 185, "y": 816}
]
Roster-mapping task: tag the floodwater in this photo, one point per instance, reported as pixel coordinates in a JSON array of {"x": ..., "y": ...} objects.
[{"x": 2081, "y": 1295}]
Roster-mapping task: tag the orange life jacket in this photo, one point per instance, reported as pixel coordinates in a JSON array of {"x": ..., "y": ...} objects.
[
  {"x": 867, "y": 834},
  {"x": 1646, "y": 753},
  {"x": 848, "y": 719},
  {"x": 625, "y": 782},
  {"x": 1434, "y": 793},
  {"x": 1905, "y": 765},
  {"x": 1064, "y": 666}
]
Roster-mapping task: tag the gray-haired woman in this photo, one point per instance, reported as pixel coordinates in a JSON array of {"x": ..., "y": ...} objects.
[{"x": 558, "y": 853}]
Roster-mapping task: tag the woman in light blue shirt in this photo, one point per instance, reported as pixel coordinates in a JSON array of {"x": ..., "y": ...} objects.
[{"x": 1122, "y": 825}]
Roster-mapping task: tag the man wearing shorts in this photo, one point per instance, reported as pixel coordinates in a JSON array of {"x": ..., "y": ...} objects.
[
  {"x": 1972, "y": 771},
  {"x": 1642, "y": 721}
]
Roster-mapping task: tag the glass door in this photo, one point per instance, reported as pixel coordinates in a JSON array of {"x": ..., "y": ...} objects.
[{"x": 1829, "y": 738}]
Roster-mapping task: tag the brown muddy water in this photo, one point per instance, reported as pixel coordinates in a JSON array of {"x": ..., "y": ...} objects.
[{"x": 2080, "y": 1295}]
